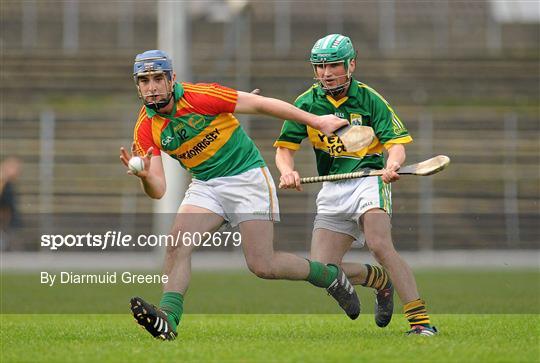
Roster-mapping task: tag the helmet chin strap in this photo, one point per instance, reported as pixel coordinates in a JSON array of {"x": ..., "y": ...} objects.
[
  {"x": 334, "y": 91},
  {"x": 160, "y": 104},
  {"x": 153, "y": 105}
]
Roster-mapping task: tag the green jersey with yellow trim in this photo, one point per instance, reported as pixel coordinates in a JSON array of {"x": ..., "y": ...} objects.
[{"x": 361, "y": 106}]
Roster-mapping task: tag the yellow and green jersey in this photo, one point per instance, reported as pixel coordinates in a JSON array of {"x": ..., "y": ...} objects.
[
  {"x": 362, "y": 106},
  {"x": 201, "y": 132}
]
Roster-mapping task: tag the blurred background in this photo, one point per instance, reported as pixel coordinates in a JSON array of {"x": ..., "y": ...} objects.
[{"x": 462, "y": 75}]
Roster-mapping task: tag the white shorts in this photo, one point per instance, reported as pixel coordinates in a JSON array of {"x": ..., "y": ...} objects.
[
  {"x": 238, "y": 198},
  {"x": 341, "y": 204}
]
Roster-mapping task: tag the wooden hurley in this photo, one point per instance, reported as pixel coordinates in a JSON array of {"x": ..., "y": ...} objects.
[
  {"x": 355, "y": 138},
  {"x": 427, "y": 167}
]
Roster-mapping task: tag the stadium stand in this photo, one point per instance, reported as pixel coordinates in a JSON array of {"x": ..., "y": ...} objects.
[{"x": 466, "y": 88}]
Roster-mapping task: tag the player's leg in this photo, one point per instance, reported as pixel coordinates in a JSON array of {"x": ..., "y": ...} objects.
[
  {"x": 377, "y": 230},
  {"x": 177, "y": 264},
  {"x": 339, "y": 205},
  {"x": 162, "y": 322},
  {"x": 329, "y": 247},
  {"x": 376, "y": 226},
  {"x": 262, "y": 260},
  {"x": 254, "y": 190}
]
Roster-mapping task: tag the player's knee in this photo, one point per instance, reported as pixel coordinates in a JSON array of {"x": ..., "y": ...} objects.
[
  {"x": 177, "y": 247},
  {"x": 381, "y": 250},
  {"x": 261, "y": 269},
  {"x": 264, "y": 274},
  {"x": 172, "y": 250}
]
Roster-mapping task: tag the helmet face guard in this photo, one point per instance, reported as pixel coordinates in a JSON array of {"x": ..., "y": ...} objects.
[
  {"x": 153, "y": 62},
  {"x": 331, "y": 49},
  {"x": 332, "y": 91}
]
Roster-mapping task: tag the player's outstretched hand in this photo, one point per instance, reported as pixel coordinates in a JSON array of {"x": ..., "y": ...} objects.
[
  {"x": 290, "y": 180},
  {"x": 125, "y": 156},
  {"x": 327, "y": 124},
  {"x": 390, "y": 172}
]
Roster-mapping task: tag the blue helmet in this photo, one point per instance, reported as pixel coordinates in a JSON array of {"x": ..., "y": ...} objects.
[{"x": 152, "y": 61}]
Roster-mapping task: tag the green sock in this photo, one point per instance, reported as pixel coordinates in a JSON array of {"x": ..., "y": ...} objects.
[
  {"x": 321, "y": 275},
  {"x": 173, "y": 304}
]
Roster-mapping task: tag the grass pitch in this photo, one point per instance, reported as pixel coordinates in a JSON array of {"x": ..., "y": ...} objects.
[
  {"x": 483, "y": 316},
  {"x": 269, "y": 338}
]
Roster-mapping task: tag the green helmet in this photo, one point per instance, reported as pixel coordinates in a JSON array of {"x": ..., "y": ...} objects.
[{"x": 333, "y": 48}]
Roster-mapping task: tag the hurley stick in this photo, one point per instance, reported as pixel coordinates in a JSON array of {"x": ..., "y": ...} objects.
[{"x": 427, "y": 167}]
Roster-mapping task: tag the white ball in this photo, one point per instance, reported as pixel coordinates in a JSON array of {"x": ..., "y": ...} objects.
[{"x": 136, "y": 164}]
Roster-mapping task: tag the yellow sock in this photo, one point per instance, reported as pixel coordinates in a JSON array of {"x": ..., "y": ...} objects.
[
  {"x": 416, "y": 313},
  {"x": 377, "y": 278}
]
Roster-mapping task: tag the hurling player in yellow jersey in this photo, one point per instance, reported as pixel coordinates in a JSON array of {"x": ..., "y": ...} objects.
[
  {"x": 347, "y": 209},
  {"x": 194, "y": 124}
]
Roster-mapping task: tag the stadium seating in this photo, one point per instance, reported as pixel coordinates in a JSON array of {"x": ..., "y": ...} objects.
[{"x": 466, "y": 88}]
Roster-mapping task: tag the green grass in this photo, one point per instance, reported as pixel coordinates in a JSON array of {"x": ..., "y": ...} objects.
[
  {"x": 483, "y": 316},
  {"x": 269, "y": 338}
]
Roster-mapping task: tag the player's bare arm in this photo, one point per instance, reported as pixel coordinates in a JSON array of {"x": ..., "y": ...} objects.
[
  {"x": 396, "y": 158},
  {"x": 152, "y": 176},
  {"x": 290, "y": 178},
  {"x": 250, "y": 103}
]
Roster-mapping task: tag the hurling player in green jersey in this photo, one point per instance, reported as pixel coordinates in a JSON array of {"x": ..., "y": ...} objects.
[
  {"x": 194, "y": 124},
  {"x": 357, "y": 209}
]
